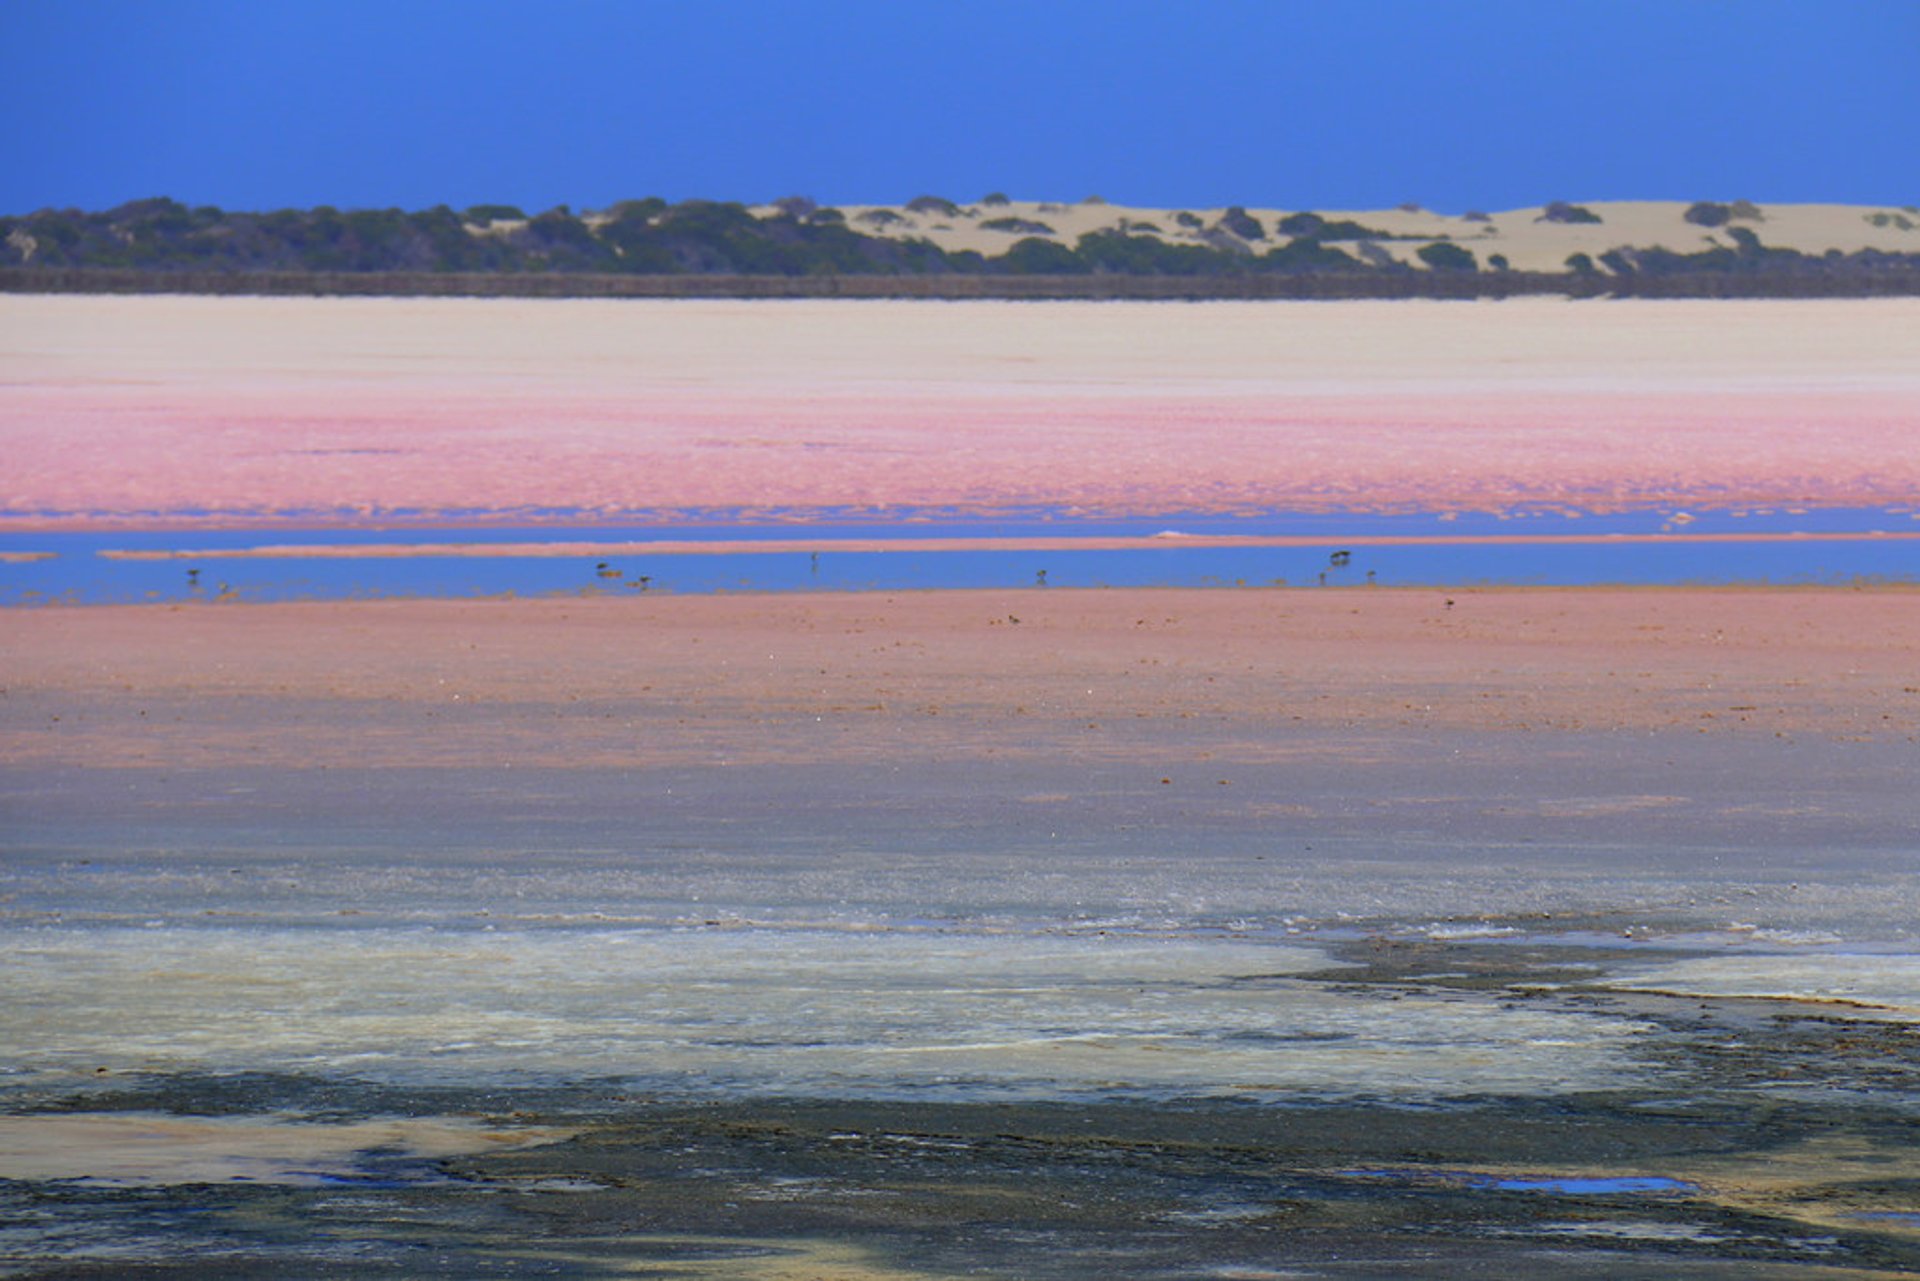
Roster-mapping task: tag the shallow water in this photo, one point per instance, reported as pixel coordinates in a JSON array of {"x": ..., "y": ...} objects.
[{"x": 1552, "y": 548}]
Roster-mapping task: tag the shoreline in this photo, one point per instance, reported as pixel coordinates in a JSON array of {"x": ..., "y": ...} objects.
[
  {"x": 1404, "y": 284},
  {"x": 1151, "y": 542},
  {"x": 418, "y": 525}
]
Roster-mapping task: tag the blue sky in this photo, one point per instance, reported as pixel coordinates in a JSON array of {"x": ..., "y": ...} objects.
[{"x": 253, "y": 104}]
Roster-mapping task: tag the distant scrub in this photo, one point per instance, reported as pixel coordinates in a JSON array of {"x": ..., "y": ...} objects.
[
  {"x": 488, "y": 214},
  {"x": 934, "y": 205},
  {"x": 1020, "y": 226},
  {"x": 1561, "y": 211},
  {"x": 641, "y": 210},
  {"x": 1747, "y": 256},
  {"x": 1305, "y": 254},
  {"x": 164, "y": 240},
  {"x": 1242, "y": 224},
  {"x": 1312, "y": 226},
  {"x": 1037, "y": 257},
  {"x": 1707, "y": 213},
  {"x": 1444, "y": 255}
]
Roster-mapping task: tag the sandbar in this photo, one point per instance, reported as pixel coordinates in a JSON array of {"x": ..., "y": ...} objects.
[{"x": 854, "y": 677}]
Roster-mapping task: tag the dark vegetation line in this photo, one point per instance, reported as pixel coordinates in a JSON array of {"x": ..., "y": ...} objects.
[
  {"x": 648, "y": 248},
  {"x": 1903, "y": 282}
]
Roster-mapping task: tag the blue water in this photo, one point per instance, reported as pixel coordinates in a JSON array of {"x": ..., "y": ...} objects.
[
  {"x": 1589, "y": 1187},
  {"x": 77, "y": 573}
]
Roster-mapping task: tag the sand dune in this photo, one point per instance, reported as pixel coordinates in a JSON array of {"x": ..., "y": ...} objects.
[{"x": 1526, "y": 238}]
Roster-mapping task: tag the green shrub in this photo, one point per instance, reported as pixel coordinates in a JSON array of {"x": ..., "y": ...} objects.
[
  {"x": 1037, "y": 257},
  {"x": 1581, "y": 265},
  {"x": 1242, "y": 224},
  {"x": 1112, "y": 250},
  {"x": 1444, "y": 255},
  {"x": 934, "y": 205},
  {"x": 1304, "y": 254},
  {"x": 1561, "y": 211},
  {"x": 486, "y": 214},
  {"x": 637, "y": 210},
  {"x": 1186, "y": 219},
  {"x": 1312, "y": 226},
  {"x": 1706, "y": 213},
  {"x": 1019, "y": 226},
  {"x": 995, "y": 198}
]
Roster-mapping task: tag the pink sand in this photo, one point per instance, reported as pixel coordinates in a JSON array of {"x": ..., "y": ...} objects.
[{"x": 131, "y": 410}]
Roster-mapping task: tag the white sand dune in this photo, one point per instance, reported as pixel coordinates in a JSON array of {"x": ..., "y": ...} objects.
[{"x": 1525, "y": 237}]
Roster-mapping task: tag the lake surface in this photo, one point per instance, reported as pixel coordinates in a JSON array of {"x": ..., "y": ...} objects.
[{"x": 1545, "y": 548}]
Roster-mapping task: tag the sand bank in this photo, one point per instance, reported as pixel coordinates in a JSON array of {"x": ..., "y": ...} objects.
[
  {"x": 1033, "y": 673},
  {"x": 192, "y": 411},
  {"x": 1153, "y": 542}
]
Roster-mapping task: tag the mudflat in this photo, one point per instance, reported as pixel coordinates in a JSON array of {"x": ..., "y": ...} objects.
[{"x": 767, "y": 678}]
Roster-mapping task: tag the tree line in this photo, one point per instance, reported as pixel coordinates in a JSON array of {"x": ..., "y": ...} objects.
[{"x": 161, "y": 243}]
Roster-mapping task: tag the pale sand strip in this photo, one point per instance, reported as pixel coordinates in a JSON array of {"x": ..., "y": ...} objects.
[
  {"x": 134, "y": 1149},
  {"x": 1154, "y": 542}
]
